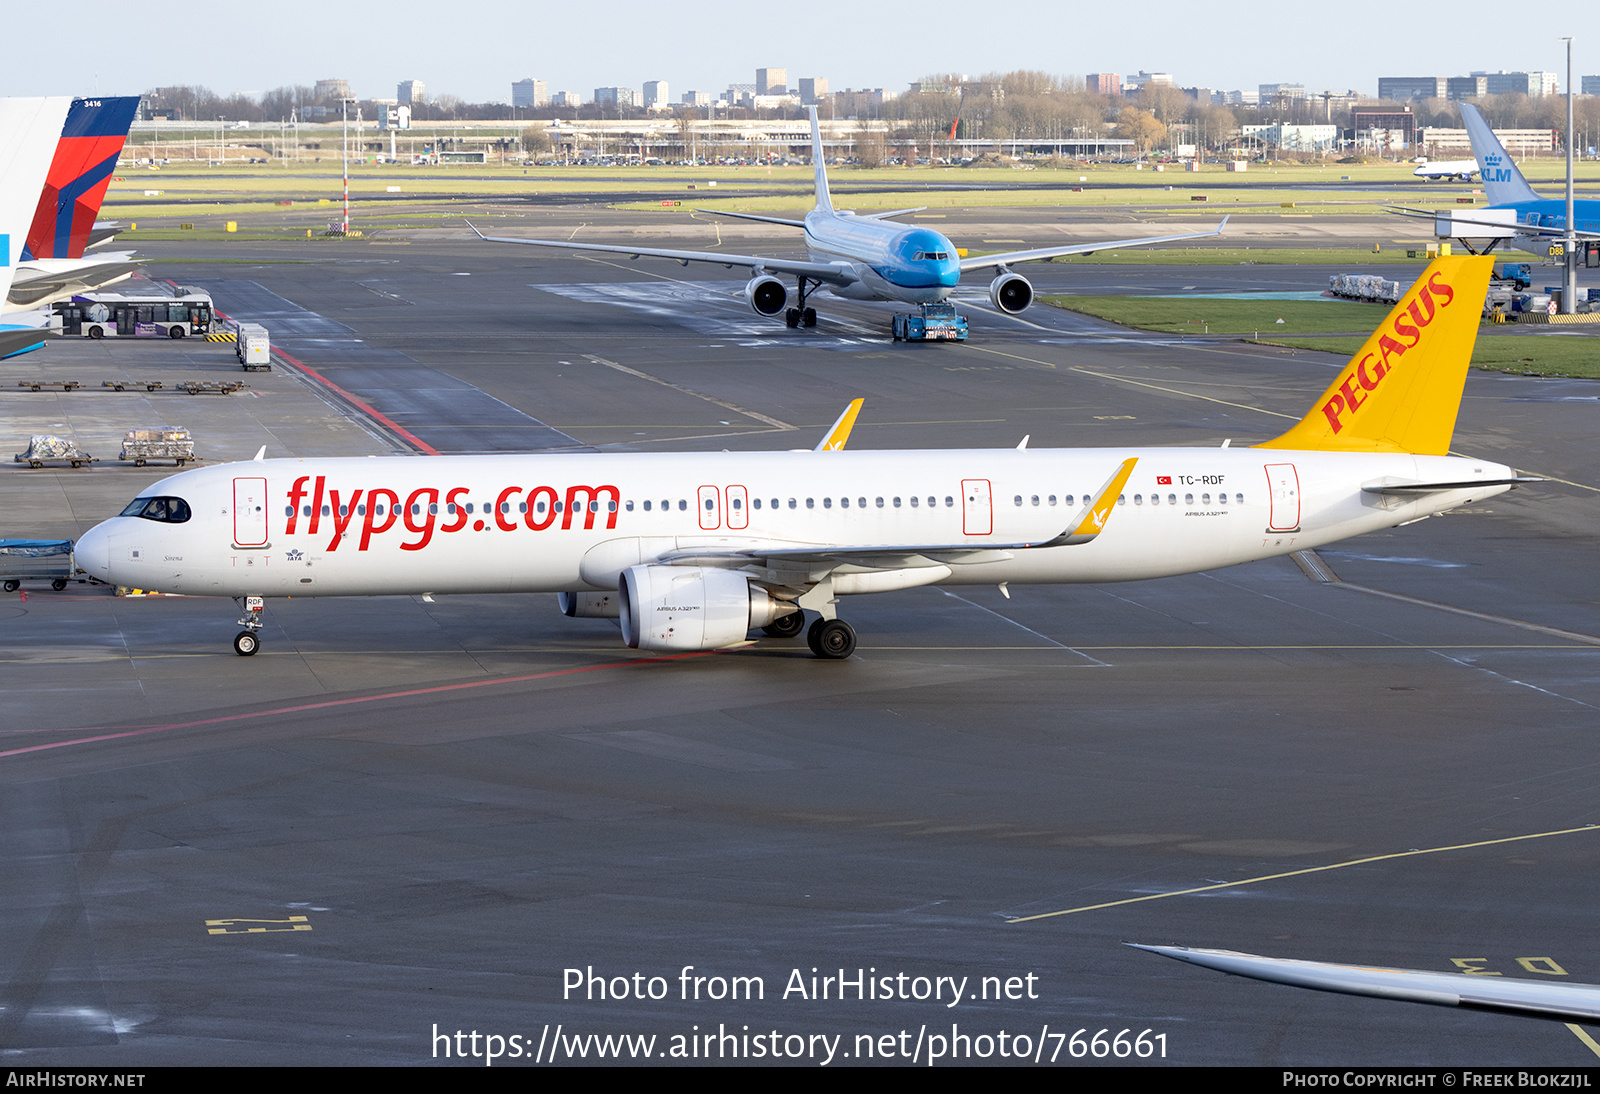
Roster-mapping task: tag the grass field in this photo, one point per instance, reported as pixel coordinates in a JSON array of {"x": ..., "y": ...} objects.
[
  {"x": 1537, "y": 354},
  {"x": 1574, "y": 355}
]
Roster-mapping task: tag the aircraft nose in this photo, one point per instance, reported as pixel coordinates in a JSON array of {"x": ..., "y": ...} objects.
[{"x": 92, "y": 553}]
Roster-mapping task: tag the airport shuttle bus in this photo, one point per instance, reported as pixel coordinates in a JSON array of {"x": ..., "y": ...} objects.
[{"x": 115, "y": 315}]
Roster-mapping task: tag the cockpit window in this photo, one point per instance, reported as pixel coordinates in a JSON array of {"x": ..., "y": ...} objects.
[
  {"x": 166, "y": 510},
  {"x": 930, "y": 256}
]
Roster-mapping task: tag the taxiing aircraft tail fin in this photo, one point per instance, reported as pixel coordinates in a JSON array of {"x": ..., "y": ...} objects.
[
  {"x": 85, "y": 158},
  {"x": 840, "y": 433},
  {"x": 1503, "y": 184},
  {"x": 29, "y": 130},
  {"x": 1402, "y": 389},
  {"x": 819, "y": 166}
]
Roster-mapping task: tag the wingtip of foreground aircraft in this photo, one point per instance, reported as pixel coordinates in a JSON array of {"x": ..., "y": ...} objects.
[{"x": 1505, "y": 995}]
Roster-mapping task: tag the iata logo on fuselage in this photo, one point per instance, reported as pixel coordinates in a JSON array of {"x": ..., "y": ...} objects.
[{"x": 1367, "y": 374}]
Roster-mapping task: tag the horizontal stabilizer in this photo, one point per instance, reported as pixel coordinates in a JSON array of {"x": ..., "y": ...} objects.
[{"x": 1442, "y": 487}]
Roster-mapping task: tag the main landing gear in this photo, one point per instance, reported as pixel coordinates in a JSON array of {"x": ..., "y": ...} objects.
[
  {"x": 803, "y": 316},
  {"x": 829, "y": 639},
  {"x": 248, "y": 641}
]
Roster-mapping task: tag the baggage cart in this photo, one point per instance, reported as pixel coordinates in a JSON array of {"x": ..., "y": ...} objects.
[
  {"x": 143, "y": 445},
  {"x": 44, "y": 448},
  {"x": 36, "y": 560}
]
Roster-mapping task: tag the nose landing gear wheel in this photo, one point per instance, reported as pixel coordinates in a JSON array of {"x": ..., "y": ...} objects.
[
  {"x": 791, "y": 318},
  {"x": 786, "y": 627},
  {"x": 245, "y": 643},
  {"x": 808, "y": 317},
  {"x": 831, "y": 639}
]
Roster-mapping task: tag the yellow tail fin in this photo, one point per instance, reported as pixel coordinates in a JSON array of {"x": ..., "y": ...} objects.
[{"x": 1402, "y": 389}]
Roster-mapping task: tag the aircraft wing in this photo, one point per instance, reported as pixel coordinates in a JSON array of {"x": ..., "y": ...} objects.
[
  {"x": 15, "y": 340},
  {"x": 752, "y": 216},
  {"x": 1007, "y": 258},
  {"x": 828, "y": 272},
  {"x": 1563, "y": 1002},
  {"x": 31, "y": 288},
  {"x": 1504, "y": 225}
]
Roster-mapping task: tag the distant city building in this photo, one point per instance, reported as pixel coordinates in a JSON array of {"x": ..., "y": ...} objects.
[
  {"x": 1294, "y": 138},
  {"x": 1532, "y": 84},
  {"x": 1457, "y": 88},
  {"x": 656, "y": 94},
  {"x": 1402, "y": 89},
  {"x": 813, "y": 90},
  {"x": 1280, "y": 93},
  {"x": 1159, "y": 79},
  {"x": 566, "y": 98},
  {"x": 1590, "y": 85},
  {"x": 331, "y": 89},
  {"x": 410, "y": 91},
  {"x": 616, "y": 96},
  {"x": 1241, "y": 98},
  {"x": 772, "y": 81},
  {"x": 1103, "y": 83},
  {"x": 697, "y": 98},
  {"x": 1391, "y": 121},
  {"x": 862, "y": 102},
  {"x": 530, "y": 93},
  {"x": 1440, "y": 143},
  {"x": 1200, "y": 94}
]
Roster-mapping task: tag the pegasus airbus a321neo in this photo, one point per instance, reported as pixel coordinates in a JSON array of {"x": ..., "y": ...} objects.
[{"x": 694, "y": 550}]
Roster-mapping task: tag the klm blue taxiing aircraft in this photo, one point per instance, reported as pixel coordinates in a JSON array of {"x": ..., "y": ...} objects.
[
  {"x": 863, "y": 257},
  {"x": 1516, "y": 213}
]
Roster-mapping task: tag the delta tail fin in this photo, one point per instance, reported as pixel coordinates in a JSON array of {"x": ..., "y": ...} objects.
[
  {"x": 1503, "y": 184},
  {"x": 819, "y": 166},
  {"x": 29, "y": 130},
  {"x": 85, "y": 159},
  {"x": 1402, "y": 389}
]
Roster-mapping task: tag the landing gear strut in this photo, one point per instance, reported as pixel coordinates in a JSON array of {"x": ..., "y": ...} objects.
[
  {"x": 803, "y": 316},
  {"x": 831, "y": 639},
  {"x": 247, "y": 641}
]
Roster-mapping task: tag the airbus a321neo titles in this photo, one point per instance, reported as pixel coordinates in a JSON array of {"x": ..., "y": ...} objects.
[
  {"x": 863, "y": 257},
  {"x": 693, "y": 550}
]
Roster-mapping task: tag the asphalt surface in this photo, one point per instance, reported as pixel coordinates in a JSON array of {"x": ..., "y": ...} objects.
[{"x": 405, "y": 819}]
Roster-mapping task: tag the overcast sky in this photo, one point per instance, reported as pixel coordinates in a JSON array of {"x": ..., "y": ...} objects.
[{"x": 475, "y": 50}]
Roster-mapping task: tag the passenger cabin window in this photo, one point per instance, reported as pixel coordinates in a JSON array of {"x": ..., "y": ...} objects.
[{"x": 166, "y": 510}]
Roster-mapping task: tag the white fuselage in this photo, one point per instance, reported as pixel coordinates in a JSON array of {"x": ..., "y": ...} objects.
[
  {"x": 891, "y": 260},
  {"x": 547, "y": 523}
]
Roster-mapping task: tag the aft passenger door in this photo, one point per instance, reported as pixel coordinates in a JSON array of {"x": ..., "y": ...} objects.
[
  {"x": 709, "y": 507},
  {"x": 1283, "y": 487}
]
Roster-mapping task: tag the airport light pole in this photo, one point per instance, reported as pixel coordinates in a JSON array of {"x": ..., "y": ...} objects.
[
  {"x": 1569, "y": 280},
  {"x": 344, "y": 110}
]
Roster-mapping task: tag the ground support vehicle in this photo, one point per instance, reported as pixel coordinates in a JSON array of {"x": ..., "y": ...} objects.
[
  {"x": 36, "y": 560},
  {"x": 43, "y": 448},
  {"x": 934, "y": 323},
  {"x": 253, "y": 347},
  {"x": 143, "y": 445}
]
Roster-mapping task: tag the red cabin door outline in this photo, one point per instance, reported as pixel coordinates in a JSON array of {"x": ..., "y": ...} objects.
[
  {"x": 1283, "y": 488},
  {"x": 250, "y": 512},
  {"x": 977, "y": 508},
  {"x": 709, "y": 508},
  {"x": 738, "y": 508}
]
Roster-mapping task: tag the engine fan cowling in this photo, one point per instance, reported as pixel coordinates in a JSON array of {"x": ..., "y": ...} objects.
[
  {"x": 1011, "y": 293},
  {"x": 691, "y": 608},
  {"x": 766, "y": 294}
]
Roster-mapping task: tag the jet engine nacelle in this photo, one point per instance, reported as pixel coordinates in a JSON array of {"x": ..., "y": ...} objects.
[
  {"x": 692, "y": 608},
  {"x": 582, "y": 605},
  {"x": 1011, "y": 293},
  {"x": 766, "y": 294}
]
